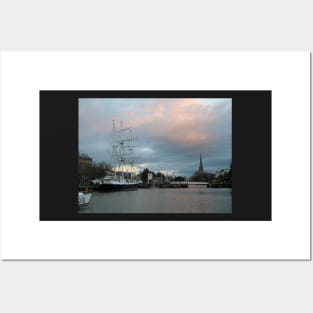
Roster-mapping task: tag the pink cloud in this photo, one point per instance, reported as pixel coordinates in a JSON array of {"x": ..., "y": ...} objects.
[
  {"x": 179, "y": 121},
  {"x": 187, "y": 122}
]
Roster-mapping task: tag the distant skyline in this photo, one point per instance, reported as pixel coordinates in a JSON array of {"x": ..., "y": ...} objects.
[{"x": 169, "y": 133}]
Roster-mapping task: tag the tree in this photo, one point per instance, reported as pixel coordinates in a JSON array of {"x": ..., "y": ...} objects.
[
  {"x": 93, "y": 170},
  {"x": 159, "y": 174},
  {"x": 144, "y": 175},
  {"x": 199, "y": 176}
]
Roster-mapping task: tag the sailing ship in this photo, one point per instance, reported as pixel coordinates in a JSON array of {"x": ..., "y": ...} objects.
[{"x": 122, "y": 176}]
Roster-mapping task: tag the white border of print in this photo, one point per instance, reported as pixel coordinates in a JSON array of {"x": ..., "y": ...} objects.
[{"x": 287, "y": 74}]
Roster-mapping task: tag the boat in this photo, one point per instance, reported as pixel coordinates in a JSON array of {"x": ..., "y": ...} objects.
[
  {"x": 83, "y": 199},
  {"x": 122, "y": 177}
]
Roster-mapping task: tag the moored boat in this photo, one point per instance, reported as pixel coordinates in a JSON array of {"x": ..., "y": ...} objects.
[
  {"x": 83, "y": 199},
  {"x": 122, "y": 177}
]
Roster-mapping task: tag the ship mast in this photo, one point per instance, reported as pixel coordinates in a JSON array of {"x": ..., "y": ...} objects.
[
  {"x": 114, "y": 149},
  {"x": 120, "y": 157}
]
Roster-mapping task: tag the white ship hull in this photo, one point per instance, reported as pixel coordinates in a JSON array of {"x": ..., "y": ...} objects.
[{"x": 83, "y": 199}]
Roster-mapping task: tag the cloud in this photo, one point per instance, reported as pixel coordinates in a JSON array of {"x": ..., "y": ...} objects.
[
  {"x": 170, "y": 133},
  {"x": 186, "y": 122}
]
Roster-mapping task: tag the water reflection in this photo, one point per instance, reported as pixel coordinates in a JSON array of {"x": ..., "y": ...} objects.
[{"x": 184, "y": 200}]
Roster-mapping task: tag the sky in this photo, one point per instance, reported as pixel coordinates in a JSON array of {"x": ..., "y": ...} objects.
[{"x": 169, "y": 134}]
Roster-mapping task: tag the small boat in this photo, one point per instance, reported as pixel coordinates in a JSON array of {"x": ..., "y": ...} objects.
[{"x": 83, "y": 199}]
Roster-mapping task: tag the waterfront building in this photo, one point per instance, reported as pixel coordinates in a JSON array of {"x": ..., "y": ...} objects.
[
  {"x": 84, "y": 159},
  {"x": 221, "y": 172},
  {"x": 150, "y": 177},
  {"x": 84, "y": 162}
]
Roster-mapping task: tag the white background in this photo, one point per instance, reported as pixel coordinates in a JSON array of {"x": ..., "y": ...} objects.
[
  {"x": 285, "y": 237},
  {"x": 151, "y": 286}
]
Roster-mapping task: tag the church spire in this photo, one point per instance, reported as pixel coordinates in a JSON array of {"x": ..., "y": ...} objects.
[{"x": 200, "y": 165}]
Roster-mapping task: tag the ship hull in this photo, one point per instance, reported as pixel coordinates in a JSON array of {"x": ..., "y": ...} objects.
[{"x": 117, "y": 187}]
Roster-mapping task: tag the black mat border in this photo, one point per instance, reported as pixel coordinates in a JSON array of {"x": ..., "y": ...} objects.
[{"x": 251, "y": 148}]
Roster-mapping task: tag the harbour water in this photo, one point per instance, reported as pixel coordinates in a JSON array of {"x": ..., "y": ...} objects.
[{"x": 161, "y": 200}]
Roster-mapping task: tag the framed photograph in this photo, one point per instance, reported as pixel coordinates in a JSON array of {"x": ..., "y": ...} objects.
[
  {"x": 143, "y": 155},
  {"x": 156, "y": 155}
]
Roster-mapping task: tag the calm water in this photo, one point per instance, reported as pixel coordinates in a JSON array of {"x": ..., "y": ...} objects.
[{"x": 182, "y": 200}]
